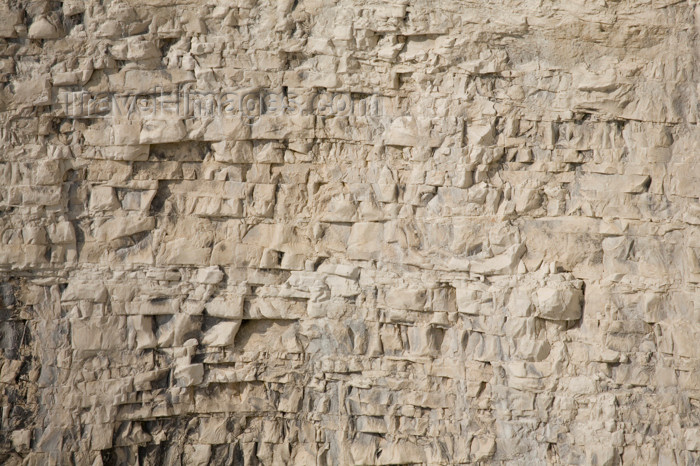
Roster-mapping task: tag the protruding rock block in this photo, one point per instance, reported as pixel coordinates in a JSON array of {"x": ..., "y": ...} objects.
[{"x": 559, "y": 302}]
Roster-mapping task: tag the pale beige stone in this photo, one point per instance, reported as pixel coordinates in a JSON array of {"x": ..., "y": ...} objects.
[
  {"x": 103, "y": 198},
  {"x": 221, "y": 334},
  {"x": 435, "y": 233},
  {"x": 555, "y": 303},
  {"x": 42, "y": 28},
  {"x": 365, "y": 241}
]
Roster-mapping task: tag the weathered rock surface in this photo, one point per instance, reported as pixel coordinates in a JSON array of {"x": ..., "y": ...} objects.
[{"x": 463, "y": 232}]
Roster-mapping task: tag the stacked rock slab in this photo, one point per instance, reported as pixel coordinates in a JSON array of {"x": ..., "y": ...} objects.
[{"x": 478, "y": 243}]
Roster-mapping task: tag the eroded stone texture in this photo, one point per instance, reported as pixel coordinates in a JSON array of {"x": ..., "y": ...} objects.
[{"x": 491, "y": 255}]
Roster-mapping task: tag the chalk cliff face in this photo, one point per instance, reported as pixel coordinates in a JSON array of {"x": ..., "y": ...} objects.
[{"x": 349, "y": 232}]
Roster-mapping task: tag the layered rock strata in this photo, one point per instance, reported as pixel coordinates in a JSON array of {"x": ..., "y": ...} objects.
[{"x": 349, "y": 232}]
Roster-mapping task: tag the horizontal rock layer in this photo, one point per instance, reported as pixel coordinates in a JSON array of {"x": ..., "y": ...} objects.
[{"x": 305, "y": 232}]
